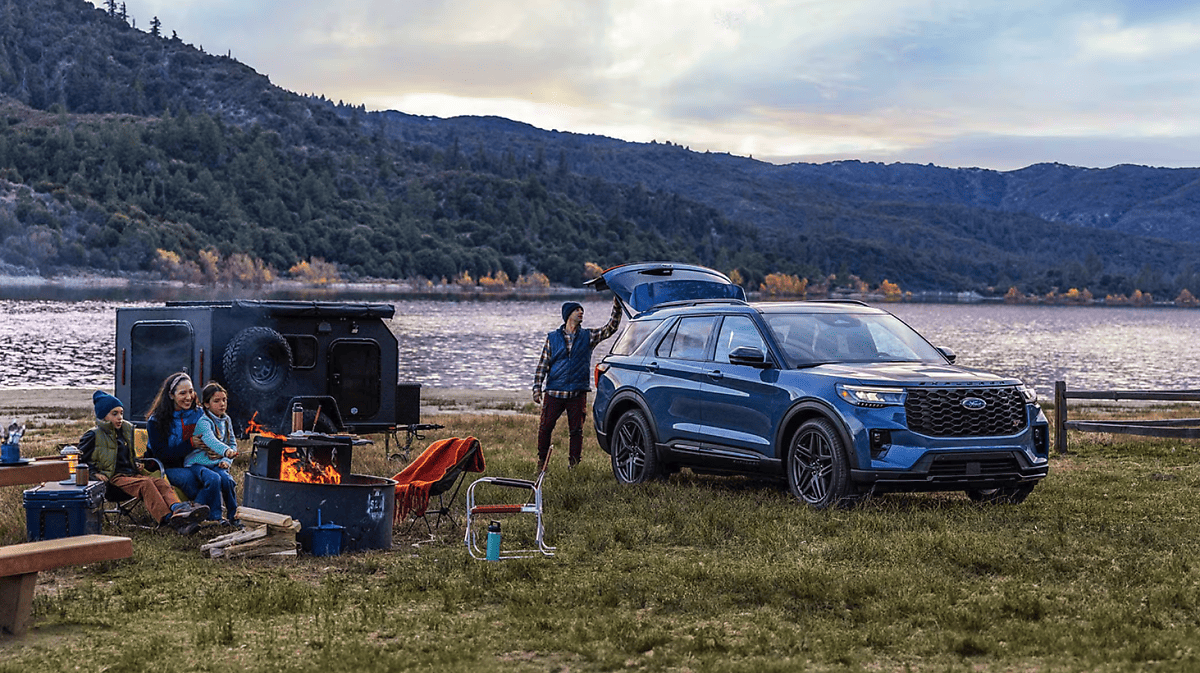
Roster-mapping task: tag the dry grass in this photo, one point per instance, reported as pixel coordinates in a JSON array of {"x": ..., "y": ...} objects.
[{"x": 1096, "y": 571}]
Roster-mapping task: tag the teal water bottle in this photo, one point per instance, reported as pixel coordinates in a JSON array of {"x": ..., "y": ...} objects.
[{"x": 493, "y": 541}]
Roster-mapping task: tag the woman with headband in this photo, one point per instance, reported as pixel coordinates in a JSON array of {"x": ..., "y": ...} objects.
[{"x": 169, "y": 426}]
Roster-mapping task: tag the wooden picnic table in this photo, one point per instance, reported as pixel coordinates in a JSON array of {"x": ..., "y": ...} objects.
[
  {"x": 20, "y": 563},
  {"x": 35, "y": 472}
]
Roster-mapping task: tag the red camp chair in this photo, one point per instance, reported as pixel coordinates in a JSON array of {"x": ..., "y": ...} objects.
[
  {"x": 438, "y": 471},
  {"x": 533, "y": 505}
]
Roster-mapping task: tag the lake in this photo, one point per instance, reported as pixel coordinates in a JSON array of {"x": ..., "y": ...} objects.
[{"x": 68, "y": 340}]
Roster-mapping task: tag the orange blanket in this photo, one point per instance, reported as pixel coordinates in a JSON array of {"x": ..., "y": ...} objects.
[{"x": 416, "y": 480}]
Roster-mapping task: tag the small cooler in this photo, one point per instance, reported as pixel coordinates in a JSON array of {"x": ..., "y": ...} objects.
[{"x": 55, "y": 510}]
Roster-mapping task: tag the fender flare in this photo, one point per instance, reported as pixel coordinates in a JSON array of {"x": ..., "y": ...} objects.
[
  {"x": 814, "y": 406},
  {"x": 629, "y": 397}
]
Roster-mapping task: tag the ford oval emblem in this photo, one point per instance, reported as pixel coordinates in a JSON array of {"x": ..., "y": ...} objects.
[{"x": 973, "y": 403}]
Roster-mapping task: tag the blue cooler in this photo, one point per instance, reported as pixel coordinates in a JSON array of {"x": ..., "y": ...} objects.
[{"x": 55, "y": 510}]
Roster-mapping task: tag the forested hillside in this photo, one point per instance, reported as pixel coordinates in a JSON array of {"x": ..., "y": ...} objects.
[{"x": 133, "y": 153}]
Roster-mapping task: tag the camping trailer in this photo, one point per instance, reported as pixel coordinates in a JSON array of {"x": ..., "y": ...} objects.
[{"x": 339, "y": 361}]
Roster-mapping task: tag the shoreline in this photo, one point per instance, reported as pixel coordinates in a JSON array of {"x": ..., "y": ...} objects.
[{"x": 73, "y": 403}]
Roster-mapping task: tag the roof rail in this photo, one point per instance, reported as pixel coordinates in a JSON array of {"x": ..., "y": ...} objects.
[
  {"x": 697, "y": 302},
  {"x": 838, "y": 301}
]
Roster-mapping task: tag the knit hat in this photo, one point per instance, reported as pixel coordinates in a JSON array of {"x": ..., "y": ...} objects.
[
  {"x": 569, "y": 307},
  {"x": 104, "y": 403}
]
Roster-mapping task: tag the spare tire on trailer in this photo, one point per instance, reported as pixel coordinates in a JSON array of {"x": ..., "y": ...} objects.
[{"x": 258, "y": 365}]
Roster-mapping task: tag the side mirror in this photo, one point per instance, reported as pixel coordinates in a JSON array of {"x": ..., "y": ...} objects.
[
  {"x": 748, "y": 355},
  {"x": 948, "y": 353}
]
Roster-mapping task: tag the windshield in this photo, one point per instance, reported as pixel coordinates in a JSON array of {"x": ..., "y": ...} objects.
[{"x": 810, "y": 338}]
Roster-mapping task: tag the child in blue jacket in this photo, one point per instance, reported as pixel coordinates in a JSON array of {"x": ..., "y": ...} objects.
[{"x": 218, "y": 446}]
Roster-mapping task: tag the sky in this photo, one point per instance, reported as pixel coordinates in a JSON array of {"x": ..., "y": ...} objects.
[{"x": 998, "y": 84}]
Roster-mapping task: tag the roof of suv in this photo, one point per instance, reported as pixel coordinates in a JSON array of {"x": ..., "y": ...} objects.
[{"x": 733, "y": 306}]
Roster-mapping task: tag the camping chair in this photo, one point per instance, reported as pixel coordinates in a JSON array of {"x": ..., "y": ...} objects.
[
  {"x": 120, "y": 507},
  {"x": 438, "y": 471},
  {"x": 533, "y": 505}
]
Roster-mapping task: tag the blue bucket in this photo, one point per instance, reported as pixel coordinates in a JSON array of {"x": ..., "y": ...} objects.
[{"x": 327, "y": 538}]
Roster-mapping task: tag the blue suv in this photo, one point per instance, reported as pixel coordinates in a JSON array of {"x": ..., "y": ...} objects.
[{"x": 839, "y": 398}]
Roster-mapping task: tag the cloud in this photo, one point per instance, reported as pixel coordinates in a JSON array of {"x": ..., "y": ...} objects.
[{"x": 893, "y": 79}]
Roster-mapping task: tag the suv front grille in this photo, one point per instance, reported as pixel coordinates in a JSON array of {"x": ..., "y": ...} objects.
[{"x": 939, "y": 412}]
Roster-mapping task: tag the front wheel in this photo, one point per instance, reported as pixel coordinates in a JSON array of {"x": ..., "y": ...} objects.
[
  {"x": 1010, "y": 495},
  {"x": 634, "y": 460},
  {"x": 817, "y": 469}
]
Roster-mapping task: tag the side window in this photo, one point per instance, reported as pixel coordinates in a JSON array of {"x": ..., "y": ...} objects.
[
  {"x": 634, "y": 335},
  {"x": 737, "y": 331},
  {"x": 304, "y": 350},
  {"x": 691, "y": 338}
]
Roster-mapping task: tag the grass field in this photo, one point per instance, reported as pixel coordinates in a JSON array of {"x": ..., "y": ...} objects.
[{"x": 1098, "y": 570}]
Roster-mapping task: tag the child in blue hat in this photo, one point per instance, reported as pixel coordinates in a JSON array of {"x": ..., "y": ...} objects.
[{"x": 107, "y": 450}]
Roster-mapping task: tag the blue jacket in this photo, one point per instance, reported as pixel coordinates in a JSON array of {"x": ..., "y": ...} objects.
[
  {"x": 179, "y": 437},
  {"x": 569, "y": 370}
]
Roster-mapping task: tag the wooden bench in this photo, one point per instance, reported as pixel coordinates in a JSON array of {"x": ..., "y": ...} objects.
[{"x": 20, "y": 564}]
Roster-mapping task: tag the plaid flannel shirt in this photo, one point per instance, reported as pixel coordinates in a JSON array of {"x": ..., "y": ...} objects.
[{"x": 597, "y": 335}]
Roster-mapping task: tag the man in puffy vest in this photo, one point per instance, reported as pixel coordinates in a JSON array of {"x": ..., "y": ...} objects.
[{"x": 564, "y": 374}]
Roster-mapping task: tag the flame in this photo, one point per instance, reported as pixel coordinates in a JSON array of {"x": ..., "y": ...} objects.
[
  {"x": 294, "y": 467},
  {"x": 253, "y": 427}
]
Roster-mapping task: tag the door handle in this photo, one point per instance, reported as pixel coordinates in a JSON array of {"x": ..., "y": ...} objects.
[
  {"x": 716, "y": 374},
  {"x": 653, "y": 366}
]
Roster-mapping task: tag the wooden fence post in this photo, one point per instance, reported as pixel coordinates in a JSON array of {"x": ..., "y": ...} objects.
[{"x": 1060, "y": 416}]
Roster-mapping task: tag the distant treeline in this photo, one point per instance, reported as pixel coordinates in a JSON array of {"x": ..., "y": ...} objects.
[{"x": 134, "y": 152}]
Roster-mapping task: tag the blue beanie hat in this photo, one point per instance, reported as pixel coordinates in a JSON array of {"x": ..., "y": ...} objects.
[
  {"x": 104, "y": 403},
  {"x": 568, "y": 308}
]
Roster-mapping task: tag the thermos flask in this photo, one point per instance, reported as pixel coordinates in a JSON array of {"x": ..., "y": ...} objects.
[
  {"x": 297, "y": 417},
  {"x": 493, "y": 541}
]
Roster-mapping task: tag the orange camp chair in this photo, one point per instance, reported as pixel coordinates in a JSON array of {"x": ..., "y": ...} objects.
[
  {"x": 533, "y": 505},
  {"x": 437, "y": 471}
]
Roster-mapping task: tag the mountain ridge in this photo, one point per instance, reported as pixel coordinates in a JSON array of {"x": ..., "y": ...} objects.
[{"x": 225, "y": 159}]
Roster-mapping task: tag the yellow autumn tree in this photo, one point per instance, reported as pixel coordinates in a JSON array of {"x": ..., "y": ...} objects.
[
  {"x": 536, "y": 280},
  {"x": 891, "y": 291},
  {"x": 210, "y": 264},
  {"x": 1186, "y": 298},
  {"x": 170, "y": 264},
  {"x": 499, "y": 281},
  {"x": 1014, "y": 296},
  {"x": 315, "y": 271},
  {"x": 246, "y": 270},
  {"x": 592, "y": 270},
  {"x": 784, "y": 285},
  {"x": 735, "y": 277}
]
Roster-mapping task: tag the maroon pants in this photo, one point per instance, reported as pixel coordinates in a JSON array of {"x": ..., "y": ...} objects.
[
  {"x": 552, "y": 408},
  {"x": 155, "y": 493}
]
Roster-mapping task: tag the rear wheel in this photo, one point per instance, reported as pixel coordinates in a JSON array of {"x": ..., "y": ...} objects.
[
  {"x": 634, "y": 460},
  {"x": 817, "y": 468},
  {"x": 1010, "y": 495}
]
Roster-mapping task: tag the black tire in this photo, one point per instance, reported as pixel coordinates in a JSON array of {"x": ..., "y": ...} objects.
[
  {"x": 258, "y": 365},
  {"x": 634, "y": 460},
  {"x": 817, "y": 469},
  {"x": 1004, "y": 495}
]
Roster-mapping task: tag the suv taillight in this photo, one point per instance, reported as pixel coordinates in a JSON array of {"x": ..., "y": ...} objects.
[{"x": 597, "y": 373}]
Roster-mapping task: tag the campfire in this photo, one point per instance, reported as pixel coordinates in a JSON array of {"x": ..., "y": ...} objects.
[
  {"x": 305, "y": 475},
  {"x": 296, "y": 464}
]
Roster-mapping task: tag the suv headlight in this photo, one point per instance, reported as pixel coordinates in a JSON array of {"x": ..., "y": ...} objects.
[
  {"x": 1030, "y": 394},
  {"x": 871, "y": 396}
]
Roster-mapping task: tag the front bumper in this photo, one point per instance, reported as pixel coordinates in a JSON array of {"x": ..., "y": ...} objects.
[{"x": 957, "y": 470}]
